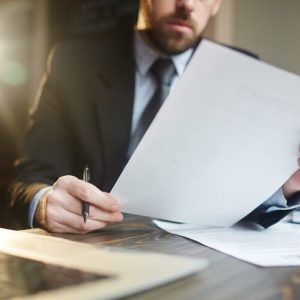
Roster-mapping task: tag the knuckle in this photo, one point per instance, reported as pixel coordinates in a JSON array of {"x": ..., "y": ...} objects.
[
  {"x": 61, "y": 182},
  {"x": 52, "y": 197},
  {"x": 78, "y": 225},
  {"x": 64, "y": 181},
  {"x": 82, "y": 228}
]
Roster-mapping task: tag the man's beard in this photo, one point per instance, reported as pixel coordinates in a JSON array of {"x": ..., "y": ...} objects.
[{"x": 173, "y": 42}]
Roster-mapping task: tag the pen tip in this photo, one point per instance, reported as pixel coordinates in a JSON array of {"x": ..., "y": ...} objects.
[{"x": 85, "y": 217}]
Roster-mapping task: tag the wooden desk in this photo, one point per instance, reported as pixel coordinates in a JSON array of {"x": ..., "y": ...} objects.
[{"x": 225, "y": 278}]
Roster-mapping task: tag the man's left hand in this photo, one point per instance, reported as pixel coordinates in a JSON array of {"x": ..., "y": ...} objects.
[{"x": 292, "y": 185}]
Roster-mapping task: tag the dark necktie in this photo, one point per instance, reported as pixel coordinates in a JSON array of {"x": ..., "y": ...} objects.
[{"x": 163, "y": 71}]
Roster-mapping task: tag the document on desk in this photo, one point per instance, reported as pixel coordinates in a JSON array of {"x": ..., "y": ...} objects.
[
  {"x": 279, "y": 245},
  {"x": 223, "y": 142}
]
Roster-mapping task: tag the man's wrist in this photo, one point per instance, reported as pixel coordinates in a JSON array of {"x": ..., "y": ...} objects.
[
  {"x": 39, "y": 190},
  {"x": 41, "y": 210}
]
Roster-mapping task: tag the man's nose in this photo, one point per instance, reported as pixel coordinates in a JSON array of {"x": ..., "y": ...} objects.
[{"x": 187, "y": 5}]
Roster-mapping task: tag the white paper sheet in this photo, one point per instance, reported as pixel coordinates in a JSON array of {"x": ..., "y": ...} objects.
[
  {"x": 276, "y": 246},
  {"x": 224, "y": 141}
]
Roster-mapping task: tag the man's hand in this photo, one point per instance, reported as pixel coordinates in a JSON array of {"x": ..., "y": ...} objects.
[
  {"x": 292, "y": 186},
  {"x": 64, "y": 207}
]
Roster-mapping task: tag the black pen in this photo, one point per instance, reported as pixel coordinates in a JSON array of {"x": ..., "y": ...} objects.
[{"x": 85, "y": 205}]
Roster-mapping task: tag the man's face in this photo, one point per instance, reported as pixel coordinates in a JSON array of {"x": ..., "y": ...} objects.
[{"x": 176, "y": 25}]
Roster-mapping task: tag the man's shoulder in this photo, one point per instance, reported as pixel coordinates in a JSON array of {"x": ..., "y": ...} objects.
[{"x": 91, "y": 48}]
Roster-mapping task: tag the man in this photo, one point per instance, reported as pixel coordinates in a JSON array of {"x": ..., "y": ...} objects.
[{"x": 90, "y": 111}]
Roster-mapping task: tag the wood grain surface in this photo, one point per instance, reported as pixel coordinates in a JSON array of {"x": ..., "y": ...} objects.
[{"x": 225, "y": 278}]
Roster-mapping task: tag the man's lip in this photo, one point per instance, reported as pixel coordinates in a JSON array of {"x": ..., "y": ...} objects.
[
  {"x": 179, "y": 26},
  {"x": 179, "y": 23}
]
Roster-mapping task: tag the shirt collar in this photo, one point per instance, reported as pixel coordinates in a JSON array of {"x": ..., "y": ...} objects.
[{"x": 145, "y": 56}]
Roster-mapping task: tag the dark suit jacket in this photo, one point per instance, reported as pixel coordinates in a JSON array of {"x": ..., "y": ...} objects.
[{"x": 82, "y": 116}]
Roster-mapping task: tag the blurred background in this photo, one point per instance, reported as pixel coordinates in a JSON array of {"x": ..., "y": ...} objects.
[{"x": 29, "y": 28}]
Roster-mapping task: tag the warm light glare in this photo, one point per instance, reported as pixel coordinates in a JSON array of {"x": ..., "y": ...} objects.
[{"x": 13, "y": 73}]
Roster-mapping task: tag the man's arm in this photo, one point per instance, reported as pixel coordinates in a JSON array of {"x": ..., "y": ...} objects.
[
  {"x": 48, "y": 158},
  {"x": 46, "y": 147}
]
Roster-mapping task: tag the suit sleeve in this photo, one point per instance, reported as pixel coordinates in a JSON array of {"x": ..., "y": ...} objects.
[
  {"x": 46, "y": 154},
  {"x": 274, "y": 209}
]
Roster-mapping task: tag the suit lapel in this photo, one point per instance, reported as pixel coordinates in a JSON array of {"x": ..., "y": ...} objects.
[{"x": 115, "y": 103}]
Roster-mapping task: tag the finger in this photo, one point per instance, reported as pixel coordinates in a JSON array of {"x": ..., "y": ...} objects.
[
  {"x": 63, "y": 228},
  {"x": 100, "y": 215},
  {"x": 87, "y": 192},
  {"x": 62, "y": 199},
  {"x": 77, "y": 224},
  {"x": 65, "y": 221},
  {"x": 57, "y": 227},
  {"x": 59, "y": 199}
]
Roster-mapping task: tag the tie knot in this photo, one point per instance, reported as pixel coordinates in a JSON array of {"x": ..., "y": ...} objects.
[{"x": 163, "y": 71}]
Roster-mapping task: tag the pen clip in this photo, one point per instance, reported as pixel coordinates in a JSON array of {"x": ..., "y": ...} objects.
[{"x": 86, "y": 174}]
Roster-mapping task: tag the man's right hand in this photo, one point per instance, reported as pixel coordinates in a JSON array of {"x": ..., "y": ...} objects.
[{"x": 64, "y": 207}]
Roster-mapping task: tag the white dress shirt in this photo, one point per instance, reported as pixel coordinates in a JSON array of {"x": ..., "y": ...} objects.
[{"x": 145, "y": 84}]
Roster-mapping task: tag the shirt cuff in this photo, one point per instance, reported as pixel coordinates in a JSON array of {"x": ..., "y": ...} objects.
[
  {"x": 278, "y": 202},
  {"x": 34, "y": 203}
]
